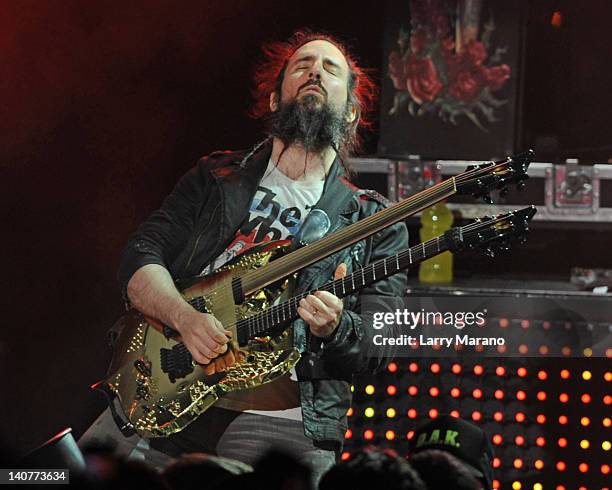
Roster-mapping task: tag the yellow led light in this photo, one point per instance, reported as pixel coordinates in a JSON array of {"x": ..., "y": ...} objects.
[
  {"x": 516, "y": 485},
  {"x": 369, "y": 412},
  {"x": 606, "y": 445},
  {"x": 588, "y": 352},
  {"x": 391, "y": 412},
  {"x": 370, "y": 389},
  {"x": 352, "y": 388},
  {"x": 584, "y": 444},
  {"x": 607, "y": 422},
  {"x": 586, "y": 375},
  {"x": 537, "y": 486}
]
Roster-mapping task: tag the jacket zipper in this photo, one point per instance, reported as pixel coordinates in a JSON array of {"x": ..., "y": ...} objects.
[{"x": 195, "y": 247}]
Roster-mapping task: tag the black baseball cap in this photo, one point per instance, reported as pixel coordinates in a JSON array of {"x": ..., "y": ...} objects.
[{"x": 462, "y": 439}]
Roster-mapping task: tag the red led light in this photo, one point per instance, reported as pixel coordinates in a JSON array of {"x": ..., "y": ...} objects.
[
  {"x": 541, "y": 395},
  {"x": 455, "y": 392},
  {"x": 563, "y": 397},
  {"x": 500, "y": 370},
  {"x": 562, "y": 419},
  {"x": 496, "y": 463},
  {"x": 499, "y": 394},
  {"x": 519, "y": 440},
  {"x": 565, "y": 374},
  {"x": 583, "y": 467},
  {"x": 455, "y": 413},
  {"x": 478, "y": 370},
  {"x": 559, "y": 487},
  {"x": 541, "y": 418},
  {"x": 521, "y": 372},
  {"x": 413, "y": 390},
  {"x": 538, "y": 464},
  {"x": 477, "y": 393},
  {"x": 607, "y": 399},
  {"x": 433, "y": 391},
  {"x": 368, "y": 435},
  {"x": 562, "y": 442},
  {"x": 520, "y": 395},
  {"x": 586, "y": 398},
  {"x": 345, "y": 456},
  {"x": 412, "y": 413},
  {"x": 605, "y": 469},
  {"x": 410, "y": 434},
  {"x": 456, "y": 369},
  {"x": 519, "y": 417},
  {"x": 435, "y": 368},
  {"x": 561, "y": 466},
  {"x": 542, "y": 375},
  {"x": 525, "y": 323},
  {"x": 348, "y": 434},
  {"x": 433, "y": 413},
  {"x": 584, "y": 421},
  {"x": 556, "y": 19},
  {"x": 496, "y": 484},
  {"x": 608, "y": 376},
  {"x": 503, "y": 322},
  {"x": 497, "y": 439},
  {"x": 391, "y": 390},
  {"x": 413, "y": 367},
  {"x": 498, "y": 416},
  {"x": 349, "y": 412},
  {"x": 476, "y": 416},
  {"x": 540, "y": 441},
  {"x": 390, "y": 435},
  {"x": 517, "y": 463},
  {"x": 392, "y": 367}
]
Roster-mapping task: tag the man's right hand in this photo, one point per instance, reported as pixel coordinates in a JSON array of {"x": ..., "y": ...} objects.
[{"x": 203, "y": 335}]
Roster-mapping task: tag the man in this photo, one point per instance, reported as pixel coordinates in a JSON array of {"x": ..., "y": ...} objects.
[
  {"x": 314, "y": 97},
  {"x": 465, "y": 441}
]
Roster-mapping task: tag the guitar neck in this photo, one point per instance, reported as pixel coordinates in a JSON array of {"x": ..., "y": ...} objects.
[
  {"x": 276, "y": 316},
  {"x": 305, "y": 256}
]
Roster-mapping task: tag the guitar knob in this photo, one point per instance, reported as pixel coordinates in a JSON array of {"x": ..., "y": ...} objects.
[{"x": 489, "y": 252}]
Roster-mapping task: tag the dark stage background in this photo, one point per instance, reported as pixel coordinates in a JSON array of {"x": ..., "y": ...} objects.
[{"x": 105, "y": 105}]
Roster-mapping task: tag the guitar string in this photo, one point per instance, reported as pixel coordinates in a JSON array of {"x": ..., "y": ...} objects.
[
  {"x": 430, "y": 246},
  {"x": 470, "y": 174}
]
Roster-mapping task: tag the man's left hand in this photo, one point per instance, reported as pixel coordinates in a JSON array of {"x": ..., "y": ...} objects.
[{"x": 323, "y": 310}]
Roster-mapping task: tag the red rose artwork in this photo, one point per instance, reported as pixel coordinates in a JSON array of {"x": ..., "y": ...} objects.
[{"x": 445, "y": 65}]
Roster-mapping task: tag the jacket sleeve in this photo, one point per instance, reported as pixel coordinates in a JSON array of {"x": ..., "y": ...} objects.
[
  {"x": 166, "y": 232},
  {"x": 352, "y": 349}
]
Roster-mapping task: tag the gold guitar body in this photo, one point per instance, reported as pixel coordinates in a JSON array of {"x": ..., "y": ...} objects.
[{"x": 158, "y": 406}]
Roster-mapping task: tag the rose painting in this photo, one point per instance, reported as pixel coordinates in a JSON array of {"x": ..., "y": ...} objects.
[{"x": 444, "y": 64}]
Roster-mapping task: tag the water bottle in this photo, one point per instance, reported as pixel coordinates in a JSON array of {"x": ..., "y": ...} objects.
[{"x": 435, "y": 220}]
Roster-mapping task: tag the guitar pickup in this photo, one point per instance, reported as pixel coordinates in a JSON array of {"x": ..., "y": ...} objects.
[{"x": 176, "y": 362}]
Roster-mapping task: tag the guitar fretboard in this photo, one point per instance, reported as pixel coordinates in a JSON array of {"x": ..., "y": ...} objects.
[{"x": 276, "y": 316}]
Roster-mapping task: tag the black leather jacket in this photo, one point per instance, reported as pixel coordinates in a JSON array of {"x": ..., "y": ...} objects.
[{"x": 200, "y": 218}]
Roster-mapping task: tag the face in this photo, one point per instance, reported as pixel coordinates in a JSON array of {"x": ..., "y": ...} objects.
[{"x": 316, "y": 76}]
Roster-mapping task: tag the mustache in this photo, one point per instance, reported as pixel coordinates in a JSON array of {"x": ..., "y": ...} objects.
[{"x": 313, "y": 82}]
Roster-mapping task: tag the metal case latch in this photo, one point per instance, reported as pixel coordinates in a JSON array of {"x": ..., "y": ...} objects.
[{"x": 572, "y": 189}]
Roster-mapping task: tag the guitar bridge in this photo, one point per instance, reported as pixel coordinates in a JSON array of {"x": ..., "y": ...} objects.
[{"x": 176, "y": 362}]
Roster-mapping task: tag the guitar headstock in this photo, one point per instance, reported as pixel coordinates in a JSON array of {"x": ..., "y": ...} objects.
[
  {"x": 480, "y": 180},
  {"x": 495, "y": 233}
]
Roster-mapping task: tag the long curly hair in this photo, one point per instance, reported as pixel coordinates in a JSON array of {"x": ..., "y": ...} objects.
[{"x": 268, "y": 78}]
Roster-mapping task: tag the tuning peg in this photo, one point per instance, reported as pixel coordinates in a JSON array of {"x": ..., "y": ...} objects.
[{"x": 489, "y": 252}]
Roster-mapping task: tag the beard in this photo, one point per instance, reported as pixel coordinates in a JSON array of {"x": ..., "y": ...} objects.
[{"x": 310, "y": 123}]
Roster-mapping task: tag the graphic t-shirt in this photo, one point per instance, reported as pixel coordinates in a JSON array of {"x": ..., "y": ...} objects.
[{"x": 277, "y": 212}]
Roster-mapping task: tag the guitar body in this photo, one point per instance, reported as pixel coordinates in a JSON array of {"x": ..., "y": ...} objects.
[{"x": 162, "y": 396}]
